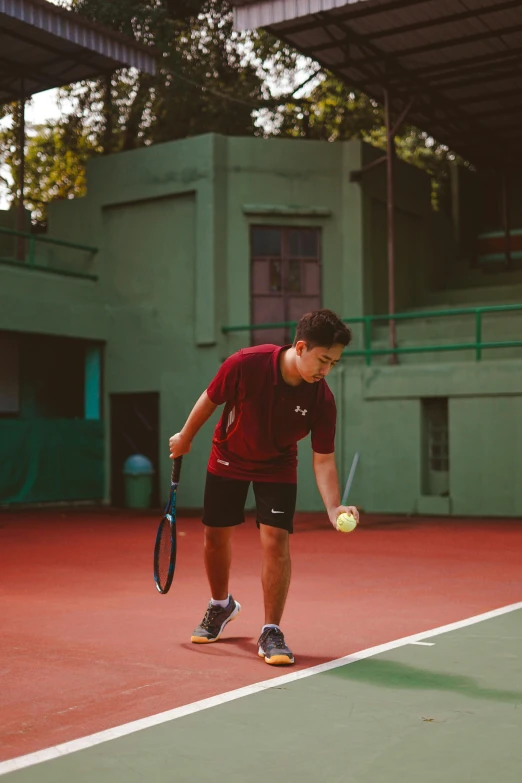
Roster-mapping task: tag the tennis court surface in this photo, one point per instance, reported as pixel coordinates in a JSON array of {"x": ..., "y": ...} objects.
[{"x": 407, "y": 636}]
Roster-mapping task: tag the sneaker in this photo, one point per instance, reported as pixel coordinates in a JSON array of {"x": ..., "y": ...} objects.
[
  {"x": 273, "y": 649},
  {"x": 214, "y": 621}
]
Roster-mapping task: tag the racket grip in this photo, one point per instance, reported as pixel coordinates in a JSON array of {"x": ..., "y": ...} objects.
[{"x": 176, "y": 470}]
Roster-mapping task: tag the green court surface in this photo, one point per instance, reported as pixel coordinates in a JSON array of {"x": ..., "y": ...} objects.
[{"x": 448, "y": 708}]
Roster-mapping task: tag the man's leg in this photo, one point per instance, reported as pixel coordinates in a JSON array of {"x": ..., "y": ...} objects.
[
  {"x": 276, "y": 571},
  {"x": 275, "y": 514},
  {"x": 218, "y": 556},
  {"x": 224, "y": 505}
]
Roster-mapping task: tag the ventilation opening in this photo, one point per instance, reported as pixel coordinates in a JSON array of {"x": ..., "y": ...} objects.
[{"x": 435, "y": 446}]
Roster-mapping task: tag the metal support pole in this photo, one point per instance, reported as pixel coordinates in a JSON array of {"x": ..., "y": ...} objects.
[
  {"x": 20, "y": 253},
  {"x": 402, "y": 117},
  {"x": 506, "y": 218},
  {"x": 390, "y": 154}
]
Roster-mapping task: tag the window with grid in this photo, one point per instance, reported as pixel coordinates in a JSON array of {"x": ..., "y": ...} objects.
[{"x": 286, "y": 278}]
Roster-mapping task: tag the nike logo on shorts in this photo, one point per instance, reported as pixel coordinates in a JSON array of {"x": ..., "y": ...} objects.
[{"x": 277, "y": 512}]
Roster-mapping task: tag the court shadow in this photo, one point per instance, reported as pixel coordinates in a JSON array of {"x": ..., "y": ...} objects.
[
  {"x": 390, "y": 674},
  {"x": 243, "y": 644},
  {"x": 247, "y": 644}
]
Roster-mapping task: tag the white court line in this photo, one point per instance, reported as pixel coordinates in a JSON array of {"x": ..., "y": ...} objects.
[
  {"x": 56, "y": 751},
  {"x": 424, "y": 644}
]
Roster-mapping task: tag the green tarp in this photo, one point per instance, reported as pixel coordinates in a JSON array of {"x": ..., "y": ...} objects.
[{"x": 44, "y": 460}]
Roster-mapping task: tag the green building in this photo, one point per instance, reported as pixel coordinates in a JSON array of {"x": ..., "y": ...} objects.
[{"x": 110, "y": 333}]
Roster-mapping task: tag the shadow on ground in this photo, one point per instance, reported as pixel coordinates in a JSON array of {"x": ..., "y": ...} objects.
[
  {"x": 390, "y": 674},
  {"x": 246, "y": 646}
]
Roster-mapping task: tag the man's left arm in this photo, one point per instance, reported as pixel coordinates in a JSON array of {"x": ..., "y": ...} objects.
[{"x": 327, "y": 480}]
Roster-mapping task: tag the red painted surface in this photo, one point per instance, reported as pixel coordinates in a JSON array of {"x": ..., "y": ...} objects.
[{"x": 87, "y": 643}]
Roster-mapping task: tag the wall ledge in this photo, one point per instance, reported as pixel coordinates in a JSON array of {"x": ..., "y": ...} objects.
[{"x": 285, "y": 210}]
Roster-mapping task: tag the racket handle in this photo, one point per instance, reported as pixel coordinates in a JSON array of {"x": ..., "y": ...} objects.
[{"x": 176, "y": 470}]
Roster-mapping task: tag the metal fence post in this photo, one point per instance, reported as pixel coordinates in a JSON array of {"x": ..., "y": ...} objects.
[
  {"x": 478, "y": 334},
  {"x": 368, "y": 339}
]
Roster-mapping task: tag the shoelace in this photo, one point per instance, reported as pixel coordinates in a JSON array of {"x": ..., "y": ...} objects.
[
  {"x": 276, "y": 638},
  {"x": 210, "y": 615}
]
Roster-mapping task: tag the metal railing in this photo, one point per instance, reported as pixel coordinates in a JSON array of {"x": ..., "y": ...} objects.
[
  {"x": 369, "y": 320},
  {"x": 29, "y": 259}
]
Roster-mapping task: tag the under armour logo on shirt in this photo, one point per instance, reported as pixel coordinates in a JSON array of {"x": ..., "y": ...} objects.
[{"x": 300, "y": 410}]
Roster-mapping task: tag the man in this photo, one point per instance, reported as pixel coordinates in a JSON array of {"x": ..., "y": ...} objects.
[{"x": 273, "y": 397}]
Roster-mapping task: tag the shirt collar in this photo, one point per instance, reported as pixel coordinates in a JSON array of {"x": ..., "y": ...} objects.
[{"x": 276, "y": 369}]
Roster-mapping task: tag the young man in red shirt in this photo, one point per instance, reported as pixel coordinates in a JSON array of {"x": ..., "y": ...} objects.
[{"x": 273, "y": 397}]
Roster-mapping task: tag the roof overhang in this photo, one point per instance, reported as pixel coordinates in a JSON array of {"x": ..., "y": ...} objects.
[
  {"x": 44, "y": 46},
  {"x": 460, "y": 62}
]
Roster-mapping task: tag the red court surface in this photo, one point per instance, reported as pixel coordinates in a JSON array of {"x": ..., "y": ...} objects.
[{"x": 87, "y": 643}]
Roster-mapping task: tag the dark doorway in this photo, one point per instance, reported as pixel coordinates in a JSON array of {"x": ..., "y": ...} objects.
[{"x": 134, "y": 430}]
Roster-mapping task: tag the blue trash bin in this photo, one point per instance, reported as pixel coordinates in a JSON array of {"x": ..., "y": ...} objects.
[{"x": 138, "y": 472}]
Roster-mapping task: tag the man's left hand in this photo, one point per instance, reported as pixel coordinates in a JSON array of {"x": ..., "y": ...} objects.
[{"x": 335, "y": 513}]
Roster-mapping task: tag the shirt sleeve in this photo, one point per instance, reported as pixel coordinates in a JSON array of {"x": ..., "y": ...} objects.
[
  {"x": 323, "y": 428},
  {"x": 223, "y": 387}
]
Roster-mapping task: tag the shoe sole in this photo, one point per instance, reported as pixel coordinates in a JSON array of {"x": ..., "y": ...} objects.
[
  {"x": 277, "y": 660},
  {"x": 205, "y": 640}
]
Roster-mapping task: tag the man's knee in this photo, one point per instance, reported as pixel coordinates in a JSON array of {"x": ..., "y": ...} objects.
[
  {"x": 275, "y": 542},
  {"x": 217, "y": 537}
]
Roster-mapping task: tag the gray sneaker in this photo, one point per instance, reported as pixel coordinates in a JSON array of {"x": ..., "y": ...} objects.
[
  {"x": 272, "y": 647},
  {"x": 214, "y": 622}
]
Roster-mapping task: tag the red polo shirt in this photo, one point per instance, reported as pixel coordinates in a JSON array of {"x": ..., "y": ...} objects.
[{"x": 256, "y": 437}]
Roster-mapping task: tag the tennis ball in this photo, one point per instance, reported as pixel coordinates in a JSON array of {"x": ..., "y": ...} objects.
[{"x": 346, "y": 522}]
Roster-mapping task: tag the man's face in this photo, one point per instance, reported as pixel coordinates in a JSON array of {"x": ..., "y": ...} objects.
[{"x": 314, "y": 364}]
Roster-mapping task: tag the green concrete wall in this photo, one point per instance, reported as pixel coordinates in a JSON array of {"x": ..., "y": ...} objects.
[
  {"x": 380, "y": 416},
  {"x": 172, "y": 226},
  {"x": 486, "y": 477},
  {"x": 425, "y": 248},
  {"x": 9, "y": 220}
]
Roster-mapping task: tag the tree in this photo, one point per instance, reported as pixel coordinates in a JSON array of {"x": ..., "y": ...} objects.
[
  {"x": 335, "y": 112},
  {"x": 55, "y": 163},
  {"x": 209, "y": 79}
]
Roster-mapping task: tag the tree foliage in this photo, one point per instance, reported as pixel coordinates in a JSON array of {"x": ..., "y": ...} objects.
[
  {"x": 335, "y": 112},
  {"x": 209, "y": 79}
]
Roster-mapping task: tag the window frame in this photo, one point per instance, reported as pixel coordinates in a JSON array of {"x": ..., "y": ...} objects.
[{"x": 285, "y": 258}]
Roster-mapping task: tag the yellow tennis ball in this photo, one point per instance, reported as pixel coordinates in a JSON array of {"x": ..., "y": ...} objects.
[{"x": 346, "y": 522}]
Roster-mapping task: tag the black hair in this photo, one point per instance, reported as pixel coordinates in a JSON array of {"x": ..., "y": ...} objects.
[{"x": 324, "y": 328}]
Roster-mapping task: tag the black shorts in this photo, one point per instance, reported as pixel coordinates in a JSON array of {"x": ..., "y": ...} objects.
[{"x": 224, "y": 504}]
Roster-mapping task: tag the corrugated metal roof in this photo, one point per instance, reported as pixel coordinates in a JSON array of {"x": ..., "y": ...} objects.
[
  {"x": 251, "y": 14},
  {"x": 461, "y": 61},
  {"x": 44, "y": 46}
]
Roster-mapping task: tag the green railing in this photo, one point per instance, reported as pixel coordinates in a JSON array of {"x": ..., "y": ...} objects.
[
  {"x": 30, "y": 257},
  {"x": 369, "y": 320}
]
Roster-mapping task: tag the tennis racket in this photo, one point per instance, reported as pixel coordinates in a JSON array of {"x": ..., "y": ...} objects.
[
  {"x": 350, "y": 479},
  {"x": 165, "y": 547}
]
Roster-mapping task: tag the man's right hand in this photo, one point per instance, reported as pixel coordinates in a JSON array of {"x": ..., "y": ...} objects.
[{"x": 179, "y": 445}]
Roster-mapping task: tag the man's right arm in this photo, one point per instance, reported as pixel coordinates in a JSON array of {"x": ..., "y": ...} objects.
[{"x": 181, "y": 442}]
